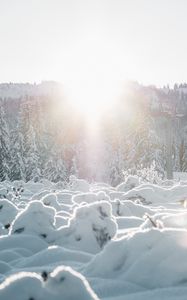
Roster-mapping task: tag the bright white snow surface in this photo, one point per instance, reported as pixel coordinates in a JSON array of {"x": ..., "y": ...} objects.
[{"x": 93, "y": 241}]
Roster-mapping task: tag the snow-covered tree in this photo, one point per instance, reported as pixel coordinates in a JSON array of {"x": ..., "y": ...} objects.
[{"x": 4, "y": 144}]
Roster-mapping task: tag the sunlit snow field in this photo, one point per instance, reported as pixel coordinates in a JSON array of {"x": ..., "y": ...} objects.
[{"x": 93, "y": 241}]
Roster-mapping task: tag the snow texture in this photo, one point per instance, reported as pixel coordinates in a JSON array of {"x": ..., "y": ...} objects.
[{"x": 94, "y": 241}]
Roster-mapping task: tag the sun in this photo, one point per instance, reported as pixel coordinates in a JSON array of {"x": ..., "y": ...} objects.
[
  {"x": 93, "y": 97},
  {"x": 88, "y": 96}
]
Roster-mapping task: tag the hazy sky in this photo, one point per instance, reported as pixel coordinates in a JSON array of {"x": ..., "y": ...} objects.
[{"x": 143, "y": 40}]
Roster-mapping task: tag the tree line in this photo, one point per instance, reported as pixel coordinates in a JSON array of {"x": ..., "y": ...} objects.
[{"x": 42, "y": 137}]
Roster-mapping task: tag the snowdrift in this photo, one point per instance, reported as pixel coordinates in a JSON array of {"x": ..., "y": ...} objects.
[{"x": 93, "y": 241}]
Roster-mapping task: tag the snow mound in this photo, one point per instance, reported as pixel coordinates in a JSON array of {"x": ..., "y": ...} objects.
[
  {"x": 166, "y": 220},
  {"x": 79, "y": 185},
  {"x": 40, "y": 195},
  {"x": 69, "y": 284},
  {"x": 3, "y": 231},
  {"x": 60, "y": 221},
  {"x": 4, "y": 267},
  {"x": 64, "y": 198},
  {"x": 21, "y": 286},
  {"x": 62, "y": 283},
  {"x": 36, "y": 219},
  {"x": 51, "y": 200},
  {"x": 129, "y": 241},
  {"x": 151, "y": 259},
  {"x": 8, "y": 212},
  {"x": 31, "y": 243},
  {"x": 54, "y": 255},
  {"x": 129, "y": 208},
  {"x": 130, "y": 183},
  {"x": 128, "y": 222},
  {"x": 102, "y": 196},
  {"x": 9, "y": 255},
  {"x": 3, "y": 192},
  {"x": 84, "y": 198},
  {"x": 35, "y": 187},
  {"x": 156, "y": 195},
  {"x": 90, "y": 228}
]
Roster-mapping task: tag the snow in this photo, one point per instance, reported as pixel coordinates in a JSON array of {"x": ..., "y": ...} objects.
[
  {"x": 69, "y": 283},
  {"x": 60, "y": 221},
  {"x": 130, "y": 183},
  {"x": 94, "y": 241},
  {"x": 63, "y": 281},
  {"x": 35, "y": 219},
  {"x": 31, "y": 243},
  {"x": 80, "y": 185},
  {"x": 128, "y": 222},
  {"x": 51, "y": 200},
  {"x": 8, "y": 212},
  {"x": 84, "y": 198},
  {"x": 180, "y": 176},
  {"x": 53, "y": 255},
  {"x": 64, "y": 198},
  {"x": 90, "y": 228}
]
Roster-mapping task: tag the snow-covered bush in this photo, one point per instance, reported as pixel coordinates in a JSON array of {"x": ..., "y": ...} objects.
[
  {"x": 84, "y": 198},
  {"x": 90, "y": 228},
  {"x": 51, "y": 200},
  {"x": 129, "y": 208},
  {"x": 62, "y": 283},
  {"x": 35, "y": 219},
  {"x": 146, "y": 174},
  {"x": 8, "y": 212},
  {"x": 79, "y": 185},
  {"x": 65, "y": 197},
  {"x": 166, "y": 220},
  {"x": 129, "y": 183},
  {"x": 69, "y": 284},
  {"x": 102, "y": 196}
]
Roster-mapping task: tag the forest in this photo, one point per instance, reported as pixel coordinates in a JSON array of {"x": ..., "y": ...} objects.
[{"x": 42, "y": 137}]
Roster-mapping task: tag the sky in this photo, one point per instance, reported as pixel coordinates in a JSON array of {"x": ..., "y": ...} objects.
[{"x": 110, "y": 40}]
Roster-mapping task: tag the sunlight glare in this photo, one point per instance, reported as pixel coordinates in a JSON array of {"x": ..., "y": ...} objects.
[{"x": 92, "y": 97}]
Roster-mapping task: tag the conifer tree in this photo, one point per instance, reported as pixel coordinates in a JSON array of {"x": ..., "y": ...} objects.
[{"x": 4, "y": 144}]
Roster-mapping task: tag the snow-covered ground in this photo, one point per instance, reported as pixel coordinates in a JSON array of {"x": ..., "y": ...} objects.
[
  {"x": 180, "y": 176},
  {"x": 93, "y": 241}
]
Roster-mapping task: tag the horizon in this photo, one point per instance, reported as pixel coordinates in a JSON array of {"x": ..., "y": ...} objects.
[{"x": 171, "y": 86}]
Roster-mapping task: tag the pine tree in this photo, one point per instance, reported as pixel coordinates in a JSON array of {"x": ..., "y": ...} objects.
[
  {"x": 27, "y": 142},
  {"x": 55, "y": 168},
  {"x": 4, "y": 145},
  {"x": 42, "y": 137},
  {"x": 17, "y": 170}
]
